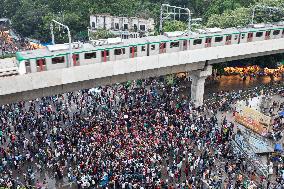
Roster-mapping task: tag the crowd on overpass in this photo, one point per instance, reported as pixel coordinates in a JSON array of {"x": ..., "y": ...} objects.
[
  {"x": 10, "y": 45},
  {"x": 143, "y": 135}
]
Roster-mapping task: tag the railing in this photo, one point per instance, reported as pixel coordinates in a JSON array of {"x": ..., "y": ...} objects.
[{"x": 252, "y": 158}]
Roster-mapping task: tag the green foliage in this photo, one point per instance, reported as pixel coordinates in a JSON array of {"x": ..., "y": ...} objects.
[
  {"x": 171, "y": 26},
  {"x": 230, "y": 18},
  {"x": 101, "y": 34}
]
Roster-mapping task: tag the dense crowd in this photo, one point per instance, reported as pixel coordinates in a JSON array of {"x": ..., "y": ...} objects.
[
  {"x": 10, "y": 45},
  {"x": 145, "y": 135}
]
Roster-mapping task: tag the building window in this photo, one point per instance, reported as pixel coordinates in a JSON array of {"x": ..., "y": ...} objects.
[
  {"x": 218, "y": 39},
  {"x": 90, "y": 55},
  {"x": 58, "y": 60},
  {"x": 142, "y": 27},
  {"x": 116, "y": 26},
  {"x": 259, "y": 34},
  {"x": 93, "y": 25},
  {"x": 125, "y": 27},
  {"x": 42, "y": 62},
  {"x": 174, "y": 44},
  {"x": 153, "y": 47},
  {"x": 143, "y": 48},
  {"x": 276, "y": 32},
  {"x": 197, "y": 42},
  {"x": 135, "y": 27}
]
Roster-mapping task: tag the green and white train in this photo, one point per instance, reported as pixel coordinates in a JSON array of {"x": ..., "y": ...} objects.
[{"x": 100, "y": 51}]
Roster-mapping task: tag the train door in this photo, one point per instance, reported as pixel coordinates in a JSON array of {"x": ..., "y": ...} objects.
[
  {"x": 267, "y": 35},
  {"x": 250, "y": 37},
  {"x": 28, "y": 66},
  {"x": 105, "y": 55},
  {"x": 208, "y": 42},
  {"x": 41, "y": 65},
  {"x": 76, "y": 61},
  {"x": 185, "y": 45},
  {"x": 228, "y": 39},
  {"x": 133, "y": 52},
  {"x": 148, "y": 50},
  {"x": 162, "y": 48}
]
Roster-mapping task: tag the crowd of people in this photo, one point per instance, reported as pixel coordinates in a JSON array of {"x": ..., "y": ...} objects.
[
  {"x": 10, "y": 45},
  {"x": 143, "y": 135}
]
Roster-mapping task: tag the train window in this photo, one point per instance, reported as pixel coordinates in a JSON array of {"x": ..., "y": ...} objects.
[
  {"x": 42, "y": 62},
  {"x": 174, "y": 44},
  {"x": 143, "y": 48},
  {"x": 90, "y": 55},
  {"x": 218, "y": 39},
  {"x": 197, "y": 41},
  {"x": 276, "y": 32},
  {"x": 117, "y": 51},
  {"x": 243, "y": 35},
  {"x": 58, "y": 60},
  {"x": 153, "y": 47},
  {"x": 258, "y": 34}
]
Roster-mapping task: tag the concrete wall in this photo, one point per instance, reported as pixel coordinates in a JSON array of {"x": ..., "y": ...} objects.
[{"x": 116, "y": 71}]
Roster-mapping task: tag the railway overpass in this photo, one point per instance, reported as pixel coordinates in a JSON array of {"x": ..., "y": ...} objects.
[{"x": 197, "y": 62}]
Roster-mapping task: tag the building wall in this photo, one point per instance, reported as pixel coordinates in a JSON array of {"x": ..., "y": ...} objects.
[{"x": 109, "y": 22}]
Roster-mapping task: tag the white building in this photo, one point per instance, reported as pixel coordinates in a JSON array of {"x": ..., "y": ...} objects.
[{"x": 125, "y": 27}]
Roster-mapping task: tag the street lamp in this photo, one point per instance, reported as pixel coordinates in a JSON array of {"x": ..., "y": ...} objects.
[{"x": 69, "y": 63}]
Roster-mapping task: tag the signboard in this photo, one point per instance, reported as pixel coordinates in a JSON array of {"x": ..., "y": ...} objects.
[{"x": 253, "y": 124}]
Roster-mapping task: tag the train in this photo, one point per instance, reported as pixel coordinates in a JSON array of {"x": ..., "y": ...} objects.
[{"x": 57, "y": 56}]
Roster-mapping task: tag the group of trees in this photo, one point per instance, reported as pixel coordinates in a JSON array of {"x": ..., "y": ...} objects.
[{"x": 31, "y": 18}]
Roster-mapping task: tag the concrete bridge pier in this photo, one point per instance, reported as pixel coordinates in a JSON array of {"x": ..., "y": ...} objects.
[{"x": 197, "y": 84}]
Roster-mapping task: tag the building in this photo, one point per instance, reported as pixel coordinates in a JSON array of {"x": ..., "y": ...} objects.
[{"x": 124, "y": 27}]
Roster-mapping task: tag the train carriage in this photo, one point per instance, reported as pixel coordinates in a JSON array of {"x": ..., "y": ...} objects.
[{"x": 113, "y": 49}]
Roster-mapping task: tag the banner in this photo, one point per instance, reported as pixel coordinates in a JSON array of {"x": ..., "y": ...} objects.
[{"x": 252, "y": 124}]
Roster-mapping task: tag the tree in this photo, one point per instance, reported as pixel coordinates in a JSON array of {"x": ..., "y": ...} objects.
[
  {"x": 101, "y": 34},
  {"x": 171, "y": 26},
  {"x": 237, "y": 17}
]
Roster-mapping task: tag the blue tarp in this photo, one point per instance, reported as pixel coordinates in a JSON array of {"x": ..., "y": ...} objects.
[
  {"x": 278, "y": 147},
  {"x": 281, "y": 113},
  {"x": 104, "y": 181},
  {"x": 45, "y": 44}
]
